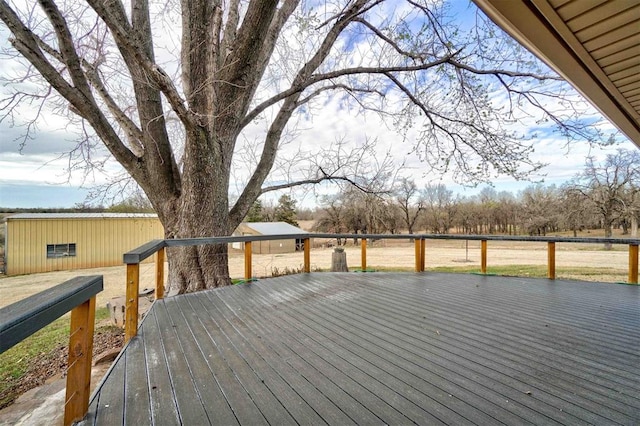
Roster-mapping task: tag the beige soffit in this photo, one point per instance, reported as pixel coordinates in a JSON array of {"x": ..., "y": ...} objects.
[{"x": 593, "y": 44}]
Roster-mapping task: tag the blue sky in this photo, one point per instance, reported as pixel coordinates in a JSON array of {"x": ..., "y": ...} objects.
[
  {"x": 37, "y": 176},
  {"x": 29, "y": 195}
]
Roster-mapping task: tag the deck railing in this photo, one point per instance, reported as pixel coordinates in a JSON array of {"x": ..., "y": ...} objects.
[
  {"x": 23, "y": 318},
  {"x": 157, "y": 247}
]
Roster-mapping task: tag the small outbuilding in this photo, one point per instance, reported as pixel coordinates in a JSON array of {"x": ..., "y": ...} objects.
[
  {"x": 271, "y": 246},
  {"x": 45, "y": 242}
]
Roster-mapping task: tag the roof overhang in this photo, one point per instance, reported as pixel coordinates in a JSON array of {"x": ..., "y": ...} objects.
[{"x": 593, "y": 44}]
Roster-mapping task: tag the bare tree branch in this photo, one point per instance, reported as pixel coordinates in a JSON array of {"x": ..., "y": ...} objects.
[{"x": 116, "y": 19}]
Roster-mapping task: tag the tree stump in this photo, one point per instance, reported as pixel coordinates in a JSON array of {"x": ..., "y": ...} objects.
[{"x": 339, "y": 260}]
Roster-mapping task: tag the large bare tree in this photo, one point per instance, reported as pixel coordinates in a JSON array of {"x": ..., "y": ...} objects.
[{"x": 177, "y": 127}]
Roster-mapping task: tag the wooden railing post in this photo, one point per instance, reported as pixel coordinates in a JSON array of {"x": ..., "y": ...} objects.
[
  {"x": 483, "y": 256},
  {"x": 160, "y": 274},
  {"x": 247, "y": 260},
  {"x": 131, "y": 305},
  {"x": 307, "y": 254},
  {"x": 633, "y": 263},
  {"x": 420, "y": 244},
  {"x": 551, "y": 260},
  {"x": 363, "y": 254},
  {"x": 80, "y": 353}
]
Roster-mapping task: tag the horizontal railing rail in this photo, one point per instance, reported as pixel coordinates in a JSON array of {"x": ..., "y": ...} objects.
[
  {"x": 23, "y": 318},
  {"x": 149, "y": 249},
  {"x": 133, "y": 258}
]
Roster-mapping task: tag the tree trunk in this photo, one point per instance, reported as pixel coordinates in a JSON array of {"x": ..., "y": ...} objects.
[
  {"x": 608, "y": 232},
  {"x": 201, "y": 210},
  {"x": 196, "y": 268},
  {"x": 339, "y": 261}
]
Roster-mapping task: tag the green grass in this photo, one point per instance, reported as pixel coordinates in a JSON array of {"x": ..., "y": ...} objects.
[
  {"x": 15, "y": 361},
  {"x": 534, "y": 271}
]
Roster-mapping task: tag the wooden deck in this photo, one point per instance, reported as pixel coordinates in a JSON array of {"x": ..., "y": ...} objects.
[{"x": 375, "y": 348}]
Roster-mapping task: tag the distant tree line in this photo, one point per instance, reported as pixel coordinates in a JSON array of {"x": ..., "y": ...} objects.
[{"x": 604, "y": 195}]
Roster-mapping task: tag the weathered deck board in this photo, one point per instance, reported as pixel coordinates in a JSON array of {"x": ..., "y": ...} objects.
[
  {"x": 161, "y": 394},
  {"x": 394, "y": 348}
]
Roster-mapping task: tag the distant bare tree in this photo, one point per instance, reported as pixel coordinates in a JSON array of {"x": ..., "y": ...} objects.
[
  {"x": 331, "y": 216},
  {"x": 391, "y": 217},
  {"x": 540, "y": 209},
  {"x": 611, "y": 186},
  {"x": 437, "y": 200},
  {"x": 410, "y": 202},
  {"x": 506, "y": 214},
  {"x": 576, "y": 211},
  {"x": 467, "y": 218}
]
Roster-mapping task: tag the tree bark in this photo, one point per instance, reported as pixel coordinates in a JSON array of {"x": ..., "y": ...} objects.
[
  {"x": 196, "y": 268},
  {"x": 608, "y": 231}
]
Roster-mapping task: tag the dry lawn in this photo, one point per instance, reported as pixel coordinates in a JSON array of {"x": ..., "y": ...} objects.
[{"x": 387, "y": 254}]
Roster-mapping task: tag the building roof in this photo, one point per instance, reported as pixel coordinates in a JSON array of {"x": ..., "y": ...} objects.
[
  {"x": 274, "y": 228},
  {"x": 31, "y": 216},
  {"x": 594, "y": 45}
]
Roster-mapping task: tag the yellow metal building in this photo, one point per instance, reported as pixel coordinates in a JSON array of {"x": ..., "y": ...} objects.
[{"x": 45, "y": 242}]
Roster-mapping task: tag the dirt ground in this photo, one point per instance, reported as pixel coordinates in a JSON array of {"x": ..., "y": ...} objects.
[{"x": 381, "y": 254}]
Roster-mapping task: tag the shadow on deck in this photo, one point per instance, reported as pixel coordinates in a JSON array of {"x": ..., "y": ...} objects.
[{"x": 395, "y": 348}]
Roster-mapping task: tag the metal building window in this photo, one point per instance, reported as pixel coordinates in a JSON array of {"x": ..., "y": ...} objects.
[{"x": 61, "y": 250}]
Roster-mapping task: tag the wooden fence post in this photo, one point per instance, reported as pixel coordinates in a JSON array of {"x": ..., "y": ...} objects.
[
  {"x": 423, "y": 253},
  {"x": 551, "y": 260},
  {"x": 131, "y": 305},
  {"x": 79, "y": 369},
  {"x": 483, "y": 256},
  {"x": 247, "y": 260},
  {"x": 633, "y": 263},
  {"x": 160, "y": 274},
  {"x": 363, "y": 254},
  {"x": 307, "y": 254}
]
